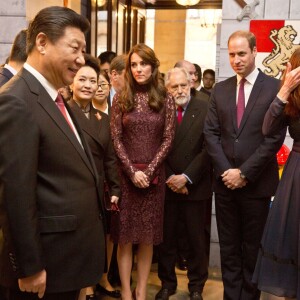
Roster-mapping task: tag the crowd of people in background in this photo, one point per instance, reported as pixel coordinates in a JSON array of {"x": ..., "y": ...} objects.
[{"x": 105, "y": 160}]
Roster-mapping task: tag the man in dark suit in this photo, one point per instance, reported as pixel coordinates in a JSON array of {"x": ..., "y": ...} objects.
[
  {"x": 117, "y": 72},
  {"x": 16, "y": 58},
  {"x": 188, "y": 170},
  {"x": 182, "y": 239},
  {"x": 50, "y": 214},
  {"x": 245, "y": 166}
]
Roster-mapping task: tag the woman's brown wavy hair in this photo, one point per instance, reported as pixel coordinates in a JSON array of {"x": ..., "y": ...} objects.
[
  {"x": 292, "y": 109},
  {"x": 154, "y": 87}
]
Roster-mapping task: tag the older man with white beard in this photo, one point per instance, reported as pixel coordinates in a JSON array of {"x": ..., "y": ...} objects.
[{"x": 188, "y": 171}]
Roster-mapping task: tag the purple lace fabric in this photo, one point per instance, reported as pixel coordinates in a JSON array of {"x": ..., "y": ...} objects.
[{"x": 141, "y": 136}]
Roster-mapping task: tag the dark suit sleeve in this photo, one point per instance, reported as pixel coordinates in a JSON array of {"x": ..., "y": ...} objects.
[
  {"x": 198, "y": 167},
  {"x": 110, "y": 165},
  {"x": 255, "y": 164},
  {"x": 212, "y": 132},
  {"x": 19, "y": 144},
  {"x": 270, "y": 145}
]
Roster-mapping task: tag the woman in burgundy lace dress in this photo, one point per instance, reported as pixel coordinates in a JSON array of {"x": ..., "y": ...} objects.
[{"x": 143, "y": 126}]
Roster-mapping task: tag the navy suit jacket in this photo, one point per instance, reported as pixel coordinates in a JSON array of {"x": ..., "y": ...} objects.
[
  {"x": 245, "y": 147},
  {"x": 5, "y": 75}
]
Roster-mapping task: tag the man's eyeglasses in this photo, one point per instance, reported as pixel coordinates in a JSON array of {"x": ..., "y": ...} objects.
[{"x": 104, "y": 86}]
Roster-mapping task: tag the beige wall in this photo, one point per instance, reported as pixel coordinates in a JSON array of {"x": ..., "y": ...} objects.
[
  {"x": 169, "y": 37},
  {"x": 34, "y": 6}
]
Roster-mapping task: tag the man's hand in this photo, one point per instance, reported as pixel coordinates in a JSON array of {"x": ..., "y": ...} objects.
[
  {"x": 176, "y": 183},
  {"x": 114, "y": 199},
  {"x": 140, "y": 180},
  {"x": 34, "y": 284},
  {"x": 232, "y": 179},
  {"x": 183, "y": 191}
]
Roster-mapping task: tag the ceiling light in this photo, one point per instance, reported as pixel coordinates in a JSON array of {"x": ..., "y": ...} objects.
[{"x": 187, "y": 2}]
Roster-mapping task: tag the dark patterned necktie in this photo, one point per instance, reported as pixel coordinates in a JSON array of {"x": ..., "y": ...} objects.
[{"x": 241, "y": 102}]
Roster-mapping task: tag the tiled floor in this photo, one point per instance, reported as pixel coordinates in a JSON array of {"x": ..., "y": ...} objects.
[{"x": 213, "y": 289}]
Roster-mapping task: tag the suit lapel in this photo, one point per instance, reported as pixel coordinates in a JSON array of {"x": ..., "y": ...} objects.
[
  {"x": 44, "y": 99},
  {"x": 90, "y": 126},
  {"x": 231, "y": 94},
  {"x": 252, "y": 99},
  {"x": 189, "y": 117},
  {"x": 96, "y": 125}
]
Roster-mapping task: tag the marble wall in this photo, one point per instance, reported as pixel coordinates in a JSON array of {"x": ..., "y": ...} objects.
[
  {"x": 12, "y": 20},
  {"x": 15, "y": 16}
]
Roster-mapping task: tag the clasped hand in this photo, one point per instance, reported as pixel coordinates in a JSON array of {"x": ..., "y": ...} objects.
[
  {"x": 140, "y": 180},
  {"x": 34, "y": 284},
  {"x": 232, "y": 179},
  {"x": 177, "y": 183}
]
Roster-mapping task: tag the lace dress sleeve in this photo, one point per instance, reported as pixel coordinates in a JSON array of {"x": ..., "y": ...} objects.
[
  {"x": 116, "y": 134},
  {"x": 168, "y": 137}
]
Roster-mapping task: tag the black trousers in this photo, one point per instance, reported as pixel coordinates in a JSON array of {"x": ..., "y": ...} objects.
[
  {"x": 193, "y": 214},
  {"x": 240, "y": 222},
  {"x": 11, "y": 294},
  {"x": 182, "y": 242}
]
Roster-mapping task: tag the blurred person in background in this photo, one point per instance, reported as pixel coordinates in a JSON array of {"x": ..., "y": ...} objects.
[
  {"x": 117, "y": 72},
  {"x": 101, "y": 98},
  {"x": 198, "y": 77},
  {"x": 16, "y": 58},
  {"x": 105, "y": 59},
  {"x": 208, "y": 81}
]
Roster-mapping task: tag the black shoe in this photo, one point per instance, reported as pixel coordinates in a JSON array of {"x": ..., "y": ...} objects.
[
  {"x": 182, "y": 263},
  {"x": 164, "y": 294},
  {"x": 196, "y": 296},
  {"x": 103, "y": 291}
]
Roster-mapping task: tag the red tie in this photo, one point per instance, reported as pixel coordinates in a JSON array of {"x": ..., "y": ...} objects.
[
  {"x": 241, "y": 102},
  {"x": 179, "y": 114},
  {"x": 61, "y": 105}
]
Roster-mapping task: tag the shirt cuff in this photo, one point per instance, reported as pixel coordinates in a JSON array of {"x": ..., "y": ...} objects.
[{"x": 188, "y": 179}]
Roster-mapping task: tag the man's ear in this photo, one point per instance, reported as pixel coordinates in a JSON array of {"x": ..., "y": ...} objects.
[
  {"x": 41, "y": 42},
  {"x": 254, "y": 51}
]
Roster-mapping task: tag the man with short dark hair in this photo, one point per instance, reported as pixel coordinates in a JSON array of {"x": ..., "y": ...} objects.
[
  {"x": 117, "y": 73},
  {"x": 105, "y": 59},
  {"x": 208, "y": 81},
  {"x": 16, "y": 58},
  {"x": 245, "y": 165},
  {"x": 51, "y": 215}
]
